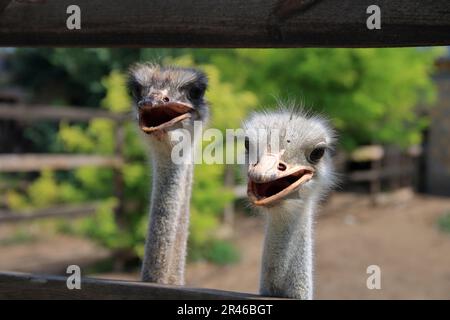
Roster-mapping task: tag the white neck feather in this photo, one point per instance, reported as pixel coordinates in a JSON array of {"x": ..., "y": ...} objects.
[
  {"x": 287, "y": 265},
  {"x": 165, "y": 248}
]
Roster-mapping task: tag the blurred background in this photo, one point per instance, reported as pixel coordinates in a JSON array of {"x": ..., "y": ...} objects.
[{"x": 75, "y": 176}]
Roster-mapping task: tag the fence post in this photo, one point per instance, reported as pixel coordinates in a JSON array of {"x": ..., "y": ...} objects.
[
  {"x": 119, "y": 187},
  {"x": 228, "y": 212}
]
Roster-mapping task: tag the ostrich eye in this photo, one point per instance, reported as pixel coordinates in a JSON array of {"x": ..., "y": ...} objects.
[
  {"x": 195, "y": 93},
  {"x": 316, "y": 154},
  {"x": 246, "y": 143}
]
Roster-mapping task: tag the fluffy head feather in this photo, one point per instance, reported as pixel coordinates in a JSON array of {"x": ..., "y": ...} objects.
[{"x": 298, "y": 132}]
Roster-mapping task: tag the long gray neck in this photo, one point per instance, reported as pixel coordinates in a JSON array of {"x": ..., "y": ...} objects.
[
  {"x": 287, "y": 266},
  {"x": 165, "y": 248},
  {"x": 180, "y": 248}
]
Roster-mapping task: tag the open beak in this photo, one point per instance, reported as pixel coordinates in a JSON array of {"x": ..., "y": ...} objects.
[
  {"x": 271, "y": 180},
  {"x": 162, "y": 116}
]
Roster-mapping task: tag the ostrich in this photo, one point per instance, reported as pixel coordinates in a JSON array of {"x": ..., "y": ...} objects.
[
  {"x": 286, "y": 183},
  {"x": 168, "y": 99}
]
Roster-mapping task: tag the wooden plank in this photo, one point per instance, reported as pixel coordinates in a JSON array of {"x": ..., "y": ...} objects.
[
  {"x": 226, "y": 23},
  {"x": 4, "y": 4},
  {"x": 27, "y": 286},
  {"x": 229, "y": 210},
  {"x": 367, "y": 153},
  {"x": 72, "y": 211},
  {"x": 119, "y": 184},
  {"x": 11, "y": 95},
  {"x": 382, "y": 173},
  {"x": 37, "y": 162},
  {"x": 42, "y": 112}
]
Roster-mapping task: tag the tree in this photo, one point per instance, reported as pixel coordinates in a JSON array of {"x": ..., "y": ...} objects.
[{"x": 371, "y": 95}]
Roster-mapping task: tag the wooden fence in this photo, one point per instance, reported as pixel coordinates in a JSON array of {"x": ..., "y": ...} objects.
[
  {"x": 26, "y": 286},
  {"x": 385, "y": 168},
  {"x": 225, "y": 23},
  {"x": 37, "y": 162},
  {"x": 53, "y": 212}
]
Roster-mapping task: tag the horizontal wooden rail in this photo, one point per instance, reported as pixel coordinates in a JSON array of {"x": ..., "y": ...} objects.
[
  {"x": 376, "y": 174},
  {"x": 225, "y": 23},
  {"x": 27, "y": 286},
  {"x": 37, "y": 162},
  {"x": 367, "y": 153},
  {"x": 4, "y": 4},
  {"x": 43, "y": 112},
  {"x": 70, "y": 211}
]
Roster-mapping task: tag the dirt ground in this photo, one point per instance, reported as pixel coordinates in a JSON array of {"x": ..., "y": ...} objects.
[
  {"x": 401, "y": 238},
  {"x": 399, "y": 235}
]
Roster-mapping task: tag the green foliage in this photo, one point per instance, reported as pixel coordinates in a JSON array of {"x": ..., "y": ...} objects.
[
  {"x": 116, "y": 99},
  {"x": 220, "y": 252},
  {"x": 45, "y": 191},
  {"x": 206, "y": 204},
  {"x": 371, "y": 95},
  {"x": 444, "y": 222},
  {"x": 103, "y": 228}
]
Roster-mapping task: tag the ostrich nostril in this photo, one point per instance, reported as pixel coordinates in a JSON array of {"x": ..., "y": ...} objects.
[
  {"x": 166, "y": 99},
  {"x": 145, "y": 102},
  {"x": 282, "y": 167}
]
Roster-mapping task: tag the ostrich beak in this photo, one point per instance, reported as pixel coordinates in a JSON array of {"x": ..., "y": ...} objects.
[
  {"x": 157, "y": 117},
  {"x": 272, "y": 179}
]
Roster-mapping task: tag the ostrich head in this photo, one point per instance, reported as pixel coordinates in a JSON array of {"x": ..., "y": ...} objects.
[
  {"x": 167, "y": 98},
  {"x": 292, "y": 163}
]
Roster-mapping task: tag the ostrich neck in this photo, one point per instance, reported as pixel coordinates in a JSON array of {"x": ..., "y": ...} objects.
[
  {"x": 165, "y": 249},
  {"x": 287, "y": 255},
  {"x": 179, "y": 251}
]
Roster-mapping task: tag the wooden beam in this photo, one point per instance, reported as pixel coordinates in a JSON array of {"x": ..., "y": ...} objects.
[
  {"x": 118, "y": 181},
  {"x": 27, "y": 286},
  {"x": 382, "y": 173},
  {"x": 367, "y": 153},
  {"x": 4, "y": 4},
  {"x": 42, "y": 112},
  {"x": 71, "y": 211},
  {"x": 37, "y": 162},
  {"x": 227, "y": 23}
]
